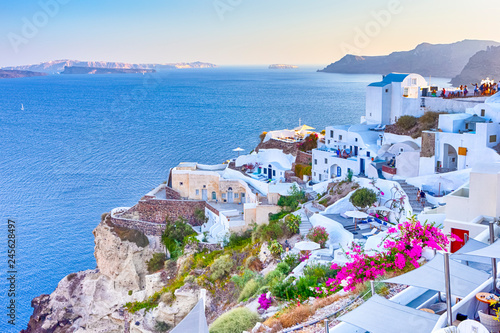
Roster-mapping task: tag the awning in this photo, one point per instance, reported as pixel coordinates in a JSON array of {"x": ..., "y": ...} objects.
[
  {"x": 379, "y": 315},
  {"x": 194, "y": 322},
  {"x": 463, "y": 278},
  {"x": 490, "y": 251},
  {"x": 471, "y": 245}
]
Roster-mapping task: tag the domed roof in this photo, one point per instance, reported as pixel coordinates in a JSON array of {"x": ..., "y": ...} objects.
[{"x": 495, "y": 99}]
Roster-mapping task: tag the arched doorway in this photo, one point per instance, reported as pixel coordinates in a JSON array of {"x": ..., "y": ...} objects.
[
  {"x": 333, "y": 171},
  {"x": 450, "y": 157},
  {"x": 270, "y": 172},
  {"x": 230, "y": 195}
]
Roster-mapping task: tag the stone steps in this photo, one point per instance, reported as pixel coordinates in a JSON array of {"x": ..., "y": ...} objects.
[
  {"x": 411, "y": 191},
  {"x": 305, "y": 226}
]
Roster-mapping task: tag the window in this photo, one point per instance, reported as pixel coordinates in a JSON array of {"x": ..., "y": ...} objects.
[
  {"x": 493, "y": 138},
  {"x": 340, "y": 137},
  {"x": 414, "y": 82},
  {"x": 367, "y": 154},
  {"x": 204, "y": 186},
  {"x": 483, "y": 112},
  {"x": 214, "y": 195},
  {"x": 274, "y": 172},
  {"x": 242, "y": 195},
  {"x": 328, "y": 141},
  {"x": 236, "y": 195},
  {"x": 265, "y": 171},
  {"x": 319, "y": 177},
  {"x": 315, "y": 174},
  {"x": 326, "y": 161},
  {"x": 387, "y": 90},
  {"x": 356, "y": 140},
  {"x": 315, "y": 161},
  {"x": 331, "y": 134},
  {"x": 181, "y": 183},
  {"x": 197, "y": 192},
  {"x": 467, "y": 126},
  {"x": 223, "y": 195},
  {"x": 401, "y": 150}
]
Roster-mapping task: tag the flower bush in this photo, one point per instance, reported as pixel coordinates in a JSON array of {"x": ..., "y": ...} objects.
[
  {"x": 401, "y": 251},
  {"x": 265, "y": 301},
  {"x": 319, "y": 235},
  {"x": 304, "y": 255},
  {"x": 276, "y": 248}
]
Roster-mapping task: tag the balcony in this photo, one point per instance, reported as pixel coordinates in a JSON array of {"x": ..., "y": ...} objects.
[{"x": 389, "y": 170}]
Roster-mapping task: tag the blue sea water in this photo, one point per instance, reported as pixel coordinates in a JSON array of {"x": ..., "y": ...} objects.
[{"x": 85, "y": 144}]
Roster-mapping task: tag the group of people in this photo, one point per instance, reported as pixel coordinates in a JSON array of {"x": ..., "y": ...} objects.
[
  {"x": 421, "y": 197},
  {"x": 485, "y": 89}
]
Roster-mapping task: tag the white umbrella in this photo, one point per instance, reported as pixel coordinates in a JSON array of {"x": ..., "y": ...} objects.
[
  {"x": 238, "y": 150},
  {"x": 356, "y": 214},
  {"x": 307, "y": 246}
]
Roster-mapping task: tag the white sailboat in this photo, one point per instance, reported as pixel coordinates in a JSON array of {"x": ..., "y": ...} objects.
[{"x": 22, "y": 107}]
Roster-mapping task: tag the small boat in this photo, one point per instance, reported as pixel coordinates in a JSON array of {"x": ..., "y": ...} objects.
[{"x": 22, "y": 107}]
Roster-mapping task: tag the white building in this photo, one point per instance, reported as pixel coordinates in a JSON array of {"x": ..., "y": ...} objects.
[
  {"x": 346, "y": 148},
  {"x": 396, "y": 95},
  {"x": 267, "y": 163}
]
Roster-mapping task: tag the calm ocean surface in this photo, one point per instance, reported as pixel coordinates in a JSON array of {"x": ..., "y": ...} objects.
[{"x": 86, "y": 144}]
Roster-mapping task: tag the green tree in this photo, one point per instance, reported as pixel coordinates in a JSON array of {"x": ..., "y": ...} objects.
[{"x": 363, "y": 198}]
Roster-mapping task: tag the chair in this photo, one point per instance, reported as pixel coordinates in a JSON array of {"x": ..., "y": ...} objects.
[
  {"x": 371, "y": 233},
  {"x": 489, "y": 322},
  {"x": 472, "y": 326}
]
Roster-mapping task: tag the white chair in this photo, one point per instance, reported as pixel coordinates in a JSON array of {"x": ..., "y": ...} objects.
[
  {"x": 371, "y": 233},
  {"x": 449, "y": 329},
  {"x": 489, "y": 322},
  {"x": 471, "y": 326}
]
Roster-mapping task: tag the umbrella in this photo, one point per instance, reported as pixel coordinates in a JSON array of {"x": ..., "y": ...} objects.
[
  {"x": 356, "y": 214},
  {"x": 307, "y": 246},
  {"x": 238, "y": 150},
  {"x": 303, "y": 128}
]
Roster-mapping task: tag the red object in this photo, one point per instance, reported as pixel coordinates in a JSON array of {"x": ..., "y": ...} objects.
[
  {"x": 457, "y": 245},
  {"x": 388, "y": 169}
]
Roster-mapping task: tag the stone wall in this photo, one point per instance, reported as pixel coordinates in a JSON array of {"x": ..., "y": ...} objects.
[
  {"x": 172, "y": 194},
  {"x": 303, "y": 158},
  {"x": 148, "y": 228},
  {"x": 428, "y": 144},
  {"x": 286, "y": 147},
  {"x": 157, "y": 211}
]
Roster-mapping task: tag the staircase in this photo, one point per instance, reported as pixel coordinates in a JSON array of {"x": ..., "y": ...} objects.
[
  {"x": 411, "y": 192},
  {"x": 305, "y": 224}
]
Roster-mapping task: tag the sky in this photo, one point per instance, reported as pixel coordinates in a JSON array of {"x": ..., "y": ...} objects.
[{"x": 232, "y": 32}]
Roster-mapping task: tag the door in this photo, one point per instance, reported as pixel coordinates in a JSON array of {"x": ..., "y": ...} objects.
[
  {"x": 462, "y": 234},
  {"x": 362, "y": 166},
  {"x": 230, "y": 195},
  {"x": 339, "y": 171},
  {"x": 243, "y": 199},
  {"x": 355, "y": 150},
  {"x": 270, "y": 172},
  {"x": 204, "y": 195}
]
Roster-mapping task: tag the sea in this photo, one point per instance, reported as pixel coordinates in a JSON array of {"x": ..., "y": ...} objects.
[{"x": 75, "y": 146}]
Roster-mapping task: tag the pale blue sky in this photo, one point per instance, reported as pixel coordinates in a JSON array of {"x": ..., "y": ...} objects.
[{"x": 247, "y": 32}]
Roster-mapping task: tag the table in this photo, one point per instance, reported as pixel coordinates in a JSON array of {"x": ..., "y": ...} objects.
[
  {"x": 487, "y": 298},
  {"x": 427, "y": 310}
]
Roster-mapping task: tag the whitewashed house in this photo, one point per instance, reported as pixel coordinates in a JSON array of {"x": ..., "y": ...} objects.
[
  {"x": 269, "y": 164},
  {"x": 346, "y": 148}
]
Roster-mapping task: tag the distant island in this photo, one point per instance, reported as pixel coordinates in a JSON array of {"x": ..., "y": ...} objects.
[
  {"x": 96, "y": 70},
  {"x": 58, "y": 66},
  {"x": 282, "y": 66},
  {"x": 12, "y": 74},
  {"x": 441, "y": 60}
]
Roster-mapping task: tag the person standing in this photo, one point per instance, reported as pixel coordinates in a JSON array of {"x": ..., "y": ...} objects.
[
  {"x": 422, "y": 198},
  {"x": 418, "y": 195}
]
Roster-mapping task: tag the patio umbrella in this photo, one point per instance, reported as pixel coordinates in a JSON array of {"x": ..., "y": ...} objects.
[
  {"x": 356, "y": 214},
  {"x": 238, "y": 150},
  {"x": 307, "y": 246},
  {"x": 303, "y": 128}
]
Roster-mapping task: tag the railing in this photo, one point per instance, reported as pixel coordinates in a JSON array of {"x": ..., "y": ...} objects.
[{"x": 389, "y": 170}]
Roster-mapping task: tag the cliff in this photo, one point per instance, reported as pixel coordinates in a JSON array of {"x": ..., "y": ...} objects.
[
  {"x": 11, "y": 74},
  {"x": 480, "y": 66},
  {"x": 93, "y": 300},
  {"x": 57, "y": 66},
  {"x": 95, "y": 70},
  {"x": 441, "y": 60}
]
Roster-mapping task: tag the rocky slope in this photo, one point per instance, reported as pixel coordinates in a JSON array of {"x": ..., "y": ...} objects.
[
  {"x": 94, "y": 70},
  {"x": 93, "y": 300},
  {"x": 11, "y": 74},
  {"x": 58, "y": 65},
  {"x": 480, "y": 66},
  {"x": 441, "y": 60}
]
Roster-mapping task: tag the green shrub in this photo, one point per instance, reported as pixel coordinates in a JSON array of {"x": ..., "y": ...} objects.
[
  {"x": 249, "y": 290},
  {"x": 241, "y": 280},
  {"x": 283, "y": 268},
  {"x": 406, "y": 122},
  {"x": 349, "y": 175},
  {"x": 273, "y": 278},
  {"x": 292, "y": 260},
  {"x": 221, "y": 266},
  {"x": 162, "y": 326},
  {"x": 188, "y": 240},
  {"x": 429, "y": 119},
  {"x": 276, "y": 248},
  {"x": 156, "y": 263},
  {"x": 174, "y": 234},
  {"x": 293, "y": 223},
  {"x": 235, "y": 321},
  {"x": 130, "y": 292},
  {"x": 239, "y": 239},
  {"x": 363, "y": 198},
  {"x": 200, "y": 217},
  {"x": 265, "y": 232},
  {"x": 324, "y": 202},
  {"x": 278, "y": 216},
  {"x": 320, "y": 272}
]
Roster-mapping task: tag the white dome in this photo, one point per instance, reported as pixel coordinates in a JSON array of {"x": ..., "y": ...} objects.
[{"x": 495, "y": 99}]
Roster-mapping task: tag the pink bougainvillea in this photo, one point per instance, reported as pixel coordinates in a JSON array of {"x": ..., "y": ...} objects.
[
  {"x": 402, "y": 250},
  {"x": 319, "y": 235}
]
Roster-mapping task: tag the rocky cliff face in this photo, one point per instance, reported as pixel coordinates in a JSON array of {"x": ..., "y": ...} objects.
[
  {"x": 480, "y": 66},
  {"x": 92, "y": 300},
  {"x": 442, "y": 60}
]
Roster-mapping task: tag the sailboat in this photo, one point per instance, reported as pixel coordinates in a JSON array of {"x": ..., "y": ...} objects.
[{"x": 22, "y": 107}]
